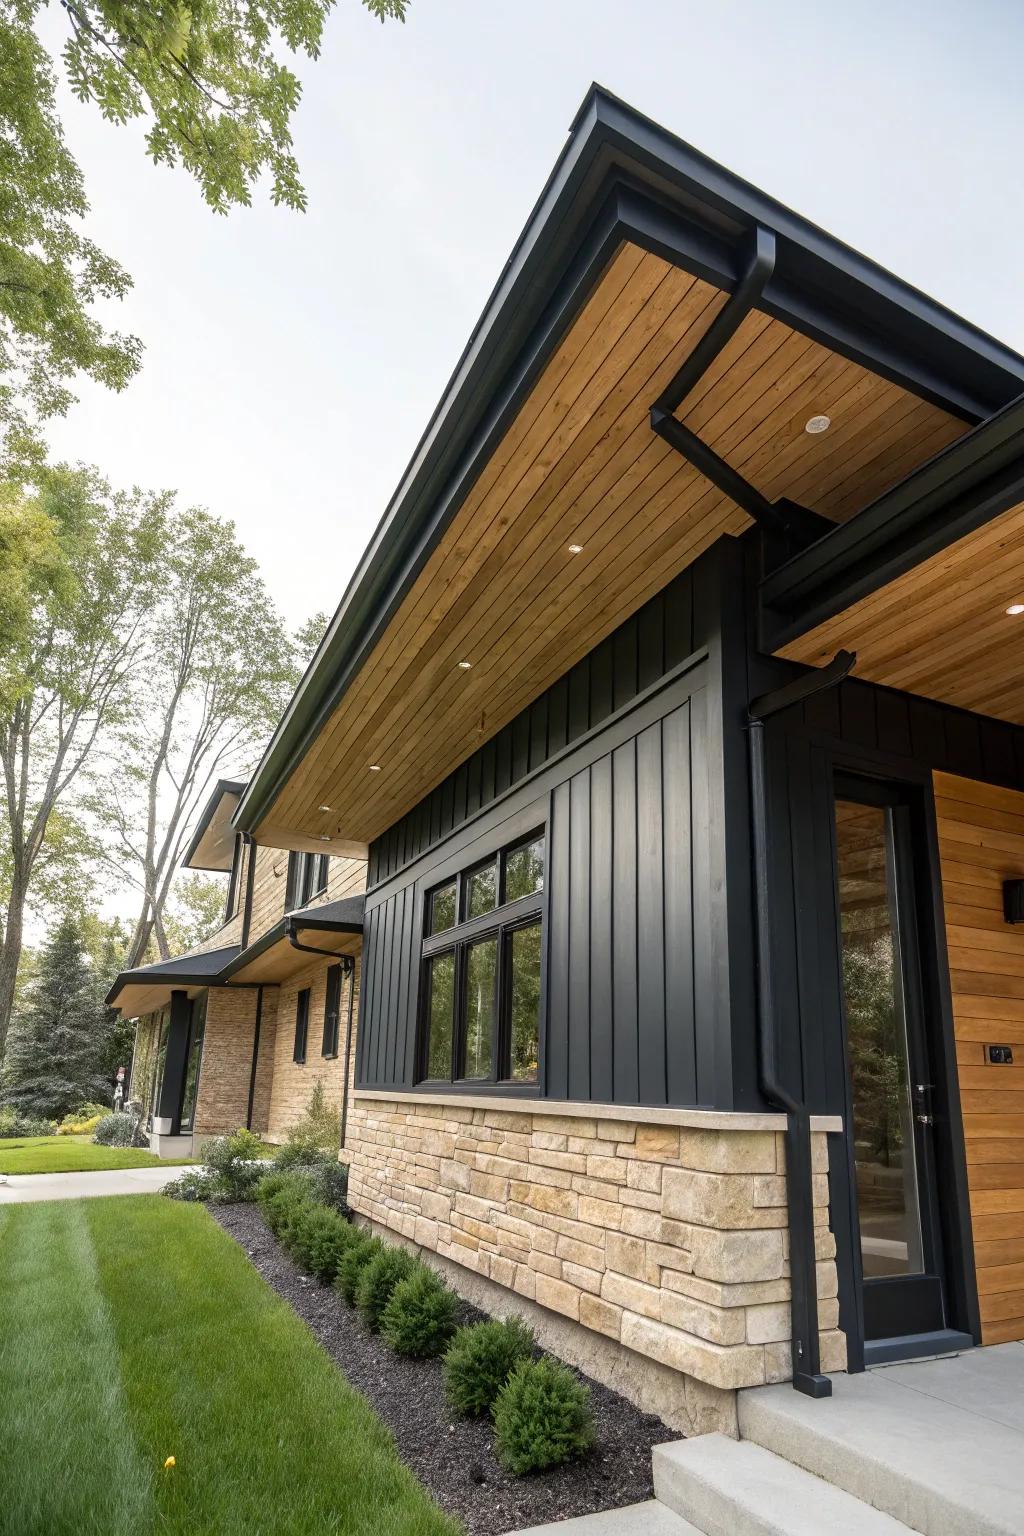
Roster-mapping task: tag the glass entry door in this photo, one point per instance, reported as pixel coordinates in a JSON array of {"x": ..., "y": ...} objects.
[{"x": 889, "y": 1079}]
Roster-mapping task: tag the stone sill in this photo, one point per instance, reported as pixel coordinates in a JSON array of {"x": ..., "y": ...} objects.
[{"x": 638, "y": 1114}]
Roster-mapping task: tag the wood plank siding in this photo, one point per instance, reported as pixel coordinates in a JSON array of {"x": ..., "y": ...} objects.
[
  {"x": 580, "y": 466},
  {"x": 942, "y": 630},
  {"x": 981, "y": 844}
]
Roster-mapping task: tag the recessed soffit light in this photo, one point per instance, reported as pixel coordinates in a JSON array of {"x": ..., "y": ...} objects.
[
  {"x": 575, "y": 549},
  {"x": 1016, "y": 608},
  {"x": 818, "y": 424},
  {"x": 323, "y": 807},
  {"x": 464, "y": 666},
  {"x": 375, "y": 767}
]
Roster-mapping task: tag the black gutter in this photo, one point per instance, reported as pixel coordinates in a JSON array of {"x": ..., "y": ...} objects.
[
  {"x": 291, "y": 934},
  {"x": 255, "y": 1057},
  {"x": 807, "y": 1375},
  {"x": 958, "y": 491},
  {"x": 619, "y": 177}
]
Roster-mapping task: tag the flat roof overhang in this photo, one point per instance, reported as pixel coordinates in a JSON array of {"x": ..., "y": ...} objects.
[
  {"x": 920, "y": 583},
  {"x": 149, "y": 987},
  {"x": 333, "y": 929},
  {"x": 212, "y": 846},
  {"x": 544, "y": 440}
]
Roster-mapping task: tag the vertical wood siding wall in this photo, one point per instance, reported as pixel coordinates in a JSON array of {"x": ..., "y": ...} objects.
[{"x": 981, "y": 843}]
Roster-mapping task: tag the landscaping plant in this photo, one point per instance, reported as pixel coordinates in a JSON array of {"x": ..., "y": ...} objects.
[
  {"x": 239, "y": 1162},
  {"x": 193, "y": 1184},
  {"x": 15, "y": 1125},
  {"x": 119, "y": 1130},
  {"x": 359, "y": 1254},
  {"x": 317, "y": 1240},
  {"x": 315, "y": 1136},
  {"x": 378, "y": 1280},
  {"x": 480, "y": 1360},
  {"x": 420, "y": 1315},
  {"x": 542, "y": 1417}
]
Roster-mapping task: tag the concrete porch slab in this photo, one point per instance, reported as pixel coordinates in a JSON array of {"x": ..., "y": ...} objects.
[{"x": 647, "y": 1519}]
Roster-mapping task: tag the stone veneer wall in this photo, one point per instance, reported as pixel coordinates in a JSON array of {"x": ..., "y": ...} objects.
[
  {"x": 293, "y": 1082},
  {"x": 668, "y": 1238},
  {"x": 224, "y": 1073}
]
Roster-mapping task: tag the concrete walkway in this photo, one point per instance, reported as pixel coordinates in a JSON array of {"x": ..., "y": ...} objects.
[{"x": 21, "y": 1188}]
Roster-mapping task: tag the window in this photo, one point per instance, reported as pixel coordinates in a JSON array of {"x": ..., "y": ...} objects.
[
  {"x": 332, "y": 1011},
  {"x": 235, "y": 881},
  {"x": 482, "y": 965},
  {"x": 307, "y": 877},
  {"x": 301, "y": 1026},
  {"x": 196, "y": 1030}
]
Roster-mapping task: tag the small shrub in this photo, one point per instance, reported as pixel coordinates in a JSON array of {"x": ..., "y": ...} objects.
[
  {"x": 239, "y": 1160},
  {"x": 480, "y": 1360},
  {"x": 317, "y": 1239},
  {"x": 316, "y": 1134},
  {"x": 330, "y": 1182},
  {"x": 119, "y": 1130},
  {"x": 14, "y": 1124},
  {"x": 379, "y": 1279},
  {"x": 359, "y": 1254},
  {"x": 420, "y": 1315},
  {"x": 542, "y": 1417},
  {"x": 193, "y": 1184},
  {"x": 83, "y": 1121}
]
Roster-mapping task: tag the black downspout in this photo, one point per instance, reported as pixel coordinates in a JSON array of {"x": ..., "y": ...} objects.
[
  {"x": 255, "y": 1057},
  {"x": 348, "y": 1045},
  {"x": 807, "y": 1375}
]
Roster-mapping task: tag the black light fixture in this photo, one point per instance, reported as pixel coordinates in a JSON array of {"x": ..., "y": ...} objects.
[{"x": 1013, "y": 901}]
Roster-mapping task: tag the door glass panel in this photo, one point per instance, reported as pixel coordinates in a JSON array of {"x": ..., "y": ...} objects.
[
  {"x": 195, "y": 1056},
  {"x": 873, "y": 993},
  {"x": 481, "y": 977}
]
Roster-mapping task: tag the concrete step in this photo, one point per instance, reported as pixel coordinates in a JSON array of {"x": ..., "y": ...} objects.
[
  {"x": 647, "y": 1519},
  {"x": 926, "y": 1443},
  {"x": 733, "y": 1488}
]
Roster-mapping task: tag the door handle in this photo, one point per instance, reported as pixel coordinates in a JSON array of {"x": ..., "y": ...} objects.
[{"x": 925, "y": 1119}]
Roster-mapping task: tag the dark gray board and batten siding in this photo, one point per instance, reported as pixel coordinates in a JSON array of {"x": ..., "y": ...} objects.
[{"x": 614, "y": 760}]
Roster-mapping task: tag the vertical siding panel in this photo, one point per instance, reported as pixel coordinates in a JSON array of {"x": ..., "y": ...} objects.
[
  {"x": 520, "y": 747},
  {"x": 579, "y": 936},
  {"x": 558, "y": 715},
  {"x": 396, "y": 1020},
  {"x": 538, "y": 749},
  {"x": 404, "y": 1070},
  {"x": 650, "y": 915},
  {"x": 705, "y": 1016},
  {"x": 379, "y": 975},
  {"x": 624, "y": 980},
  {"x": 556, "y": 1065},
  {"x": 679, "y": 636},
  {"x": 600, "y": 941},
  {"x": 370, "y": 929},
  {"x": 387, "y": 972},
  {"x": 601, "y": 682},
  {"x": 650, "y": 642},
  {"x": 680, "y": 1044},
  {"x": 579, "y": 699}
]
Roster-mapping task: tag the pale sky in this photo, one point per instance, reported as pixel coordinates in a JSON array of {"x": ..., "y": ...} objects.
[{"x": 292, "y": 360}]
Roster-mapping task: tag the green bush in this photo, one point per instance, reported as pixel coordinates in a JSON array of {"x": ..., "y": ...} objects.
[
  {"x": 480, "y": 1360},
  {"x": 193, "y": 1184},
  {"x": 119, "y": 1130},
  {"x": 379, "y": 1279},
  {"x": 420, "y": 1315},
  {"x": 14, "y": 1124},
  {"x": 359, "y": 1253},
  {"x": 315, "y": 1135},
  {"x": 239, "y": 1160},
  {"x": 542, "y": 1417},
  {"x": 317, "y": 1239}
]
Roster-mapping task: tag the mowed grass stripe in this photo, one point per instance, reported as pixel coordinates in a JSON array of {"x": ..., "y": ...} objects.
[
  {"x": 268, "y": 1437},
  {"x": 61, "y": 1154},
  {"x": 68, "y": 1459}
]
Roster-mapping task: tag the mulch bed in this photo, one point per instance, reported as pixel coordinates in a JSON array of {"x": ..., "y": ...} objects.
[{"x": 452, "y": 1457}]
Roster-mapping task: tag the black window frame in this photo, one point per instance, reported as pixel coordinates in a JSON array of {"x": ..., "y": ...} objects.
[
  {"x": 308, "y": 874},
  {"x": 301, "y": 1043},
  {"x": 505, "y": 919},
  {"x": 332, "y": 1011},
  {"x": 233, "y": 901}
]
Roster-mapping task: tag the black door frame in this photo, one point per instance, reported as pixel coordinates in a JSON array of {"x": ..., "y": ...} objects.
[{"x": 962, "y": 1316}]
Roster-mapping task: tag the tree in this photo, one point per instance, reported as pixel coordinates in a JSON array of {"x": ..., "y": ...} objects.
[
  {"x": 210, "y": 80},
  {"x": 106, "y": 942},
  {"x": 194, "y": 912},
  {"x": 74, "y": 603},
  {"x": 217, "y": 675},
  {"x": 58, "y": 1043}
]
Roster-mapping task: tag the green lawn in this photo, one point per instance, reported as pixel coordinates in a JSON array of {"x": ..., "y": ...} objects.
[
  {"x": 134, "y": 1329},
  {"x": 69, "y": 1154}
]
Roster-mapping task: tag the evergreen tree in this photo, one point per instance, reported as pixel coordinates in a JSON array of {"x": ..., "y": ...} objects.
[{"x": 58, "y": 1044}]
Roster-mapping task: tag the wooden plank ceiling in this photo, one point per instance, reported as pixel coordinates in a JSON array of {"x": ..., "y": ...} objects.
[
  {"x": 581, "y": 465},
  {"x": 281, "y": 960},
  {"x": 942, "y": 629}
]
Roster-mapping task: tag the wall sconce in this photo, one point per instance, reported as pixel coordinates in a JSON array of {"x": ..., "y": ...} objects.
[{"x": 1013, "y": 901}]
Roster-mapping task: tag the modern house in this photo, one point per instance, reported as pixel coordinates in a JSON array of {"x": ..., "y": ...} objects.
[
  {"x": 677, "y": 704},
  {"x": 239, "y": 1031}
]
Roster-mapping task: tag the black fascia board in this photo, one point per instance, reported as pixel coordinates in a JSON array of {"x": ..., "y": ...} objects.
[
  {"x": 956, "y": 492},
  {"x": 221, "y": 788},
  {"x": 620, "y": 176},
  {"x": 206, "y": 970}
]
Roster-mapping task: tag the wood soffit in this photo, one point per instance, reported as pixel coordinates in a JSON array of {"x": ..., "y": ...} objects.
[{"x": 580, "y": 465}]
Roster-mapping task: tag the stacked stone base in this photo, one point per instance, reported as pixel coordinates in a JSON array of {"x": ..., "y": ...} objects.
[{"x": 662, "y": 1235}]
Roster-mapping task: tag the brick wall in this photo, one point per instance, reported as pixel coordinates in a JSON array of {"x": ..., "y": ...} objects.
[
  {"x": 293, "y": 1082},
  {"x": 667, "y": 1238},
  {"x": 223, "y": 1101}
]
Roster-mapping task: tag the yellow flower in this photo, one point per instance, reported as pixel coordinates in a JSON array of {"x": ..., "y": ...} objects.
[{"x": 170, "y": 1462}]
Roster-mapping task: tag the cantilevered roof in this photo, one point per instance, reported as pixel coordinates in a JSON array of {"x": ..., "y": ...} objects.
[
  {"x": 333, "y": 928},
  {"x": 149, "y": 987},
  {"x": 213, "y": 842},
  {"x": 544, "y": 503}
]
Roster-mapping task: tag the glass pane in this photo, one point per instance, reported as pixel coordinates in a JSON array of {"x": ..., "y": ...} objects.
[
  {"x": 442, "y": 908},
  {"x": 524, "y": 870},
  {"x": 440, "y": 1011},
  {"x": 481, "y": 973},
  {"x": 887, "y": 1201},
  {"x": 482, "y": 890},
  {"x": 525, "y": 1002},
  {"x": 195, "y": 1054}
]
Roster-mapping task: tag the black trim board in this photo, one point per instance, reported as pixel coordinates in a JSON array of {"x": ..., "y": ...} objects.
[
  {"x": 621, "y": 176},
  {"x": 235, "y": 787}
]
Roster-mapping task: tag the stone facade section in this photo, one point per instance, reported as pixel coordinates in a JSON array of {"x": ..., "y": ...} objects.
[
  {"x": 671, "y": 1241},
  {"x": 293, "y": 1082},
  {"x": 224, "y": 1074}
]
